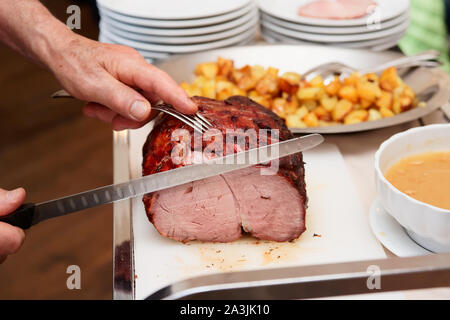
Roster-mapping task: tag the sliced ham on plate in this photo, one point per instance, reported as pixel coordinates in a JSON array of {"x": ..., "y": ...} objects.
[{"x": 337, "y": 9}]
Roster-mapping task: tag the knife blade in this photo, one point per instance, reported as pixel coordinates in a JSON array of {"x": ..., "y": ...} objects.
[{"x": 30, "y": 214}]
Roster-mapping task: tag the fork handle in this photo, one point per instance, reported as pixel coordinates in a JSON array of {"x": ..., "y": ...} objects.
[{"x": 405, "y": 62}]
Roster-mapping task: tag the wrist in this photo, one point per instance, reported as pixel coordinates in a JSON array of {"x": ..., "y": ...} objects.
[{"x": 51, "y": 39}]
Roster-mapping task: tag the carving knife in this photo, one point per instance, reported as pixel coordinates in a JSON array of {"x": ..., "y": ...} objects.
[{"x": 30, "y": 214}]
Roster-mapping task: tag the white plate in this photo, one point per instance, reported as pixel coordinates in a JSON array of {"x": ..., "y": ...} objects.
[
  {"x": 380, "y": 47},
  {"x": 179, "y": 48},
  {"x": 182, "y": 40},
  {"x": 336, "y": 37},
  {"x": 173, "y": 9},
  {"x": 153, "y": 56},
  {"x": 391, "y": 41},
  {"x": 391, "y": 234},
  {"x": 335, "y": 30},
  {"x": 176, "y": 23},
  {"x": 145, "y": 53},
  {"x": 288, "y": 10},
  {"x": 180, "y": 32}
]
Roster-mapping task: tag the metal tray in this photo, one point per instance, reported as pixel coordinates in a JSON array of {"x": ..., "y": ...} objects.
[
  {"x": 296, "y": 282},
  {"x": 326, "y": 280},
  {"x": 431, "y": 85}
]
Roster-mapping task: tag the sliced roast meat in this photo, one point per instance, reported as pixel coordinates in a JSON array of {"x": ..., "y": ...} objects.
[{"x": 268, "y": 204}]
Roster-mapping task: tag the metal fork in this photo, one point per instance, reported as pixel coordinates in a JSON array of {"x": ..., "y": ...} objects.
[
  {"x": 196, "y": 121},
  {"x": 424, "y": 59}
]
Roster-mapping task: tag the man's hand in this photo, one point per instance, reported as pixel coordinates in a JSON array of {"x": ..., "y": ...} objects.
[
  {"x": 116, "y": 81},
  {"x": 11, "y": 238}
]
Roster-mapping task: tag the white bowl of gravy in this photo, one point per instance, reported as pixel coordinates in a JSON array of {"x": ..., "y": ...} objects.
[{"x": 412, "y": 171}]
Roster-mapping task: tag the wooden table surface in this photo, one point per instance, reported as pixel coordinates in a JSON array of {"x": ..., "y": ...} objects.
[{"x": 51, "y": 149}]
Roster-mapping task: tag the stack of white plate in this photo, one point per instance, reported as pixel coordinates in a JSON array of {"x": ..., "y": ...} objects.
[
  {"x": 379, "y": 30},
  {"x": 158, "y": 29}
]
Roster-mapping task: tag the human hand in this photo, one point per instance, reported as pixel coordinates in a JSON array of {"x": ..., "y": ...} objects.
[
  {"x": 117, "y": 82},
  {"x": 11, "y": 238}
]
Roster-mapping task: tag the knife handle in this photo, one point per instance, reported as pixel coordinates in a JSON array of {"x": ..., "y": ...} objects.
[{"x": 22, "y": 217}]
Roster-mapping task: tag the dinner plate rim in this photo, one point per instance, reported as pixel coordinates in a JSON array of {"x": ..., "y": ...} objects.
[
  {"x": 165, "y": 40},
  {"x": 349, "y": 45},
  {"x": 183, "y": 31},
  {"x": 244, "y": 37},
  {"x": 337, "y": 38},
  {"x": 333, "y": 30},
  {"x": 377, "y": 47},
  {"x": 183, "y": 48},
  {"x": 131, "y": 12},
  {"x": 188, "y": 23},
  {"x": 330, "y": 22}
]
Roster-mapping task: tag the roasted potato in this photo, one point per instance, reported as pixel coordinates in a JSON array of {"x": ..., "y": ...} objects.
[{"x": 303, "y": 103}]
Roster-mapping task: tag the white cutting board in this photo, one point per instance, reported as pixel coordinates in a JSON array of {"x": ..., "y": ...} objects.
[{"x": 334, "y": 212}]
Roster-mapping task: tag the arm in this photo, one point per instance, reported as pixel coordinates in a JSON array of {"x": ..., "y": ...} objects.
[{"x": 105, "y": 75}]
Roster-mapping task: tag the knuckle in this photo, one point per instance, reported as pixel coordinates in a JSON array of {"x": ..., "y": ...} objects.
[{"x": 117, "y": 102}]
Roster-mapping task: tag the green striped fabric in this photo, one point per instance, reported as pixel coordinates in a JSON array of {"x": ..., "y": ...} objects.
[{"x": 427, "y": 30}]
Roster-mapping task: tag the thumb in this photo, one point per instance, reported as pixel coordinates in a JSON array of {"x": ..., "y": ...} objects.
[{"x": 11, "y": 200}]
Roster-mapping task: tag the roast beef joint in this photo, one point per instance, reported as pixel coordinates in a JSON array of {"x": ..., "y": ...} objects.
[{"x": 268, "y": 206}]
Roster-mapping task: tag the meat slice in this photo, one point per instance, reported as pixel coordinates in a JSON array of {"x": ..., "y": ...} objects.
[
  {"x": 269, "y": 206},
  {"x": 337, "y": 9},
  {"x": 180, "y": 212}
]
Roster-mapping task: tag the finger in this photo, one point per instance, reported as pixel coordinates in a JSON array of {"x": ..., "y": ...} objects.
[
  {"x": 120, "y": 98},
  {"x": 11, "y": 239},
  {"x": 152, "y": 97},
  {"x": 2, "y": 259},
  {"x": 153, "y": 80},
  {"x": 120, "y": 123},
  {"x": 95, "y": 110},
  {"x": 11, "y": 200}
]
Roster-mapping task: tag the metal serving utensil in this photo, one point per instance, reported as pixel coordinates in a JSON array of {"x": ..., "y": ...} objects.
[
  {"x": 424, "y": 59},
  {"x": 315, "y": 281},
  {"x": 195, "y": 121}
]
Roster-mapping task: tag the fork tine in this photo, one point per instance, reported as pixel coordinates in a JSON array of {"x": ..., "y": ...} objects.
[
  {"x": 181, "y": 117},
  {"x": 192, "y": 119},
  {"x": 204, "y": 119},
  {"x": 191, "y": 122},
  {"x": 199, "y": 120}
]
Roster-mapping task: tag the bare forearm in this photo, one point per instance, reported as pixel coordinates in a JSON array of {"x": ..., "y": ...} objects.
[
  {"x": 106, "y": 75},
  {"x": 28, "y": 27}
]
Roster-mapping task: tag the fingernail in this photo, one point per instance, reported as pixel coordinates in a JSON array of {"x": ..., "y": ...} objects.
[
  {"x": 139, "y": 110},
  {"x": 12, "y": 195}
]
